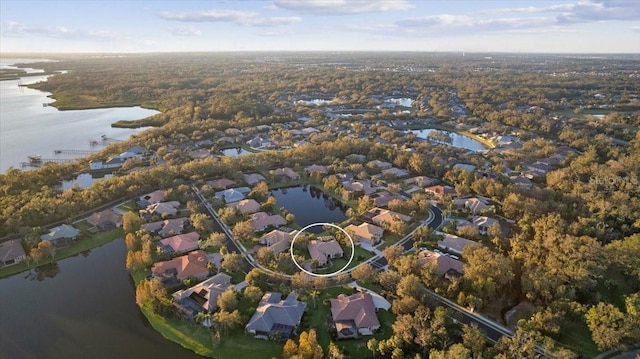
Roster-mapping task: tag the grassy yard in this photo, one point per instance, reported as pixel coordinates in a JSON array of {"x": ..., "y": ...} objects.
[
  {"x": 318, "y": 317},
  {"x": 85, "y": 242},
  {"x": 199, "y": 339},
  {"x": 576, "y": 336}
]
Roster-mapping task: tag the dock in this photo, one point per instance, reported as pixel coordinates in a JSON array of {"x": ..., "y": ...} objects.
[
  {"x": 37, "y": 161},
  {"x": 109, "y": 139},
  {"x": 74, "y": 152}
]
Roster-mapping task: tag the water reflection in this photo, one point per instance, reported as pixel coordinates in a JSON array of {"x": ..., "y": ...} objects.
[
  {"x": 310, "y": 205},
  {"x": 43, "y": 272}
]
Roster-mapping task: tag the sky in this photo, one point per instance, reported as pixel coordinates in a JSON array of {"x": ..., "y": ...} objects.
[{"x": 549, "y": 26}]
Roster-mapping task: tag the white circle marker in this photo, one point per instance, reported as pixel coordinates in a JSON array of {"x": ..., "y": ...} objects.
[{"x": 353, "y": 250}]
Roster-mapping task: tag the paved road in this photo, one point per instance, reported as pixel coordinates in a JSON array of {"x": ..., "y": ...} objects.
[
  {"x": 493, "y": 331},
  {"x": 434, "y": 223}
]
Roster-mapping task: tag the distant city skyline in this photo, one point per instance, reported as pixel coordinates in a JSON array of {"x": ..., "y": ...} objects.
[{"x": 570, "y": 26}]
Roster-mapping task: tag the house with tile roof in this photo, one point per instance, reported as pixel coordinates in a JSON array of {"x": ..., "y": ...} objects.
[
  {"x": 276, "y": 317},
  {"x": 381, "y": 216},
  {"x": 261, "y": 221},
  {"x": 167, "y": 227},
  {"x": 11, "y": 252},
  {"x": 162, "y": 209},
  {"x": 354, "y": 315},
  {"x": 180, "y": 243},
  {"x": 277, "y": 240},
  {"x": 365, "y": 232},
  {"x": 193, "y": 264},
  {"x": 222, "y": 183},
  {"x": 151, "y": 198},
  {"x": 254, "y": 178},
  {"x": 105, "y": 220},
  {"x": 285, "y": 174},
  {"x": 202, "y": 297},
  {"x": 324, "y": 249},
  {"x": 482, "y": 223},
  {"x": 455, "y": 244},
  {"x": 443, "y": 264},
  {"x": 245, "y": 206}
]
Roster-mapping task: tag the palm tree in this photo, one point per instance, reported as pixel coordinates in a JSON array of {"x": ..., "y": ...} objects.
[
  {"x": 314, "y": 295},
  {"x": 204, "y": 318}
]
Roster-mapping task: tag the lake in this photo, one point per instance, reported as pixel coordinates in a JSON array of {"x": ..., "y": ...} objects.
[
  {"x": 310, "y": 205},
  {"x": 81, "y": 307},
  {"x": 459, "y": 140},
  {"x": 29, "y": 128}
]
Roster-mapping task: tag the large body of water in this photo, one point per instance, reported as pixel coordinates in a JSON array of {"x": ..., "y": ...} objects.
[
  {"x": 81, "y": 307},
  {"x": 310, "y": 205},
  {"x": 29, "y": 128},
  {"x": 459, "y": 140}
]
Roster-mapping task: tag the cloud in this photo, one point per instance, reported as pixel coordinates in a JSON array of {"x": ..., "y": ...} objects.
[
  {"x": 244, "y": 18},
  {"x": 581, "y": 11},
  {"x": 209, "y": 16},
  {"x": 16, "y": 29},
  {"x": 635, "y": 29},
  {"x": 521, "y": 19},
  {"x": 342, "y": 7},
  {"x": 185, "y": 31}
]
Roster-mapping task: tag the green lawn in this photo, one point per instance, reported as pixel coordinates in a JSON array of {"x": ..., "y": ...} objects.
[
  {"x": 318, "y": 317},
  {"x": 85, "y": 242},
  {"x": 575, "y": 335},
  {"x": 199, "y": 339}
]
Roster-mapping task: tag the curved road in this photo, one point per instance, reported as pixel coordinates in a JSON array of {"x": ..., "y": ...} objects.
[{"x": 492, "y": 330}]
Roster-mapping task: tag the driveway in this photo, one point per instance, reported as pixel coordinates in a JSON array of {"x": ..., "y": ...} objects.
[{"x": 378, "y": 300}]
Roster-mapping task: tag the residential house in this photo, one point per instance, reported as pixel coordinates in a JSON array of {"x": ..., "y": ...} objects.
[
  {"x": 380, "y": 165},
  {"x": 222, "y": 183},
  {"x": 180, "y": 243},
  {"x": 464, "y": 166},
  {"x": 285, "y": 174},
  {"x": 151, "y": 198},
  {"x": 162, "y": 209},
  {"x": 381, "y": 199},
  {"x": 61, "y": 234},
  {"x": 363, "y": 186},
  {"x": 277, "y": 240},
  {"x": 380, "y": 216},
  {"x": 309, "y": 130},
  {"x": 245, "y": 206},
  {"x": 11, "y": 252},
  {"x": 262, "y": 221},
  {"x": 443, "y": 264},
  {"x": 354, "y": 315},
  {"x": 479, "y": 204},
  {"x": 395, "y": 172},
  {"x": 539, "y": 169},
  {"x": 455, "y": 244},
  {"x": 317, "y": 168},
  {"x": 202, "y": 297},
  {"x": 483, "y": 223},
  {"x": 105, "y": 220},
  {"x": 365, "y": 232},
  {"x": 422, "y": 181},
  {"x": 254, "y": 178},
  {"x": 166, "y": 227},
  {"x": 180, "y": 268},
  {"x": 323, "y": 249},
  {"x": 233, "y": 194},
  {"x": 275, "y": 316},
  {"x": 521, "y": 182},
  {"x": 441, "y": 191}
]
